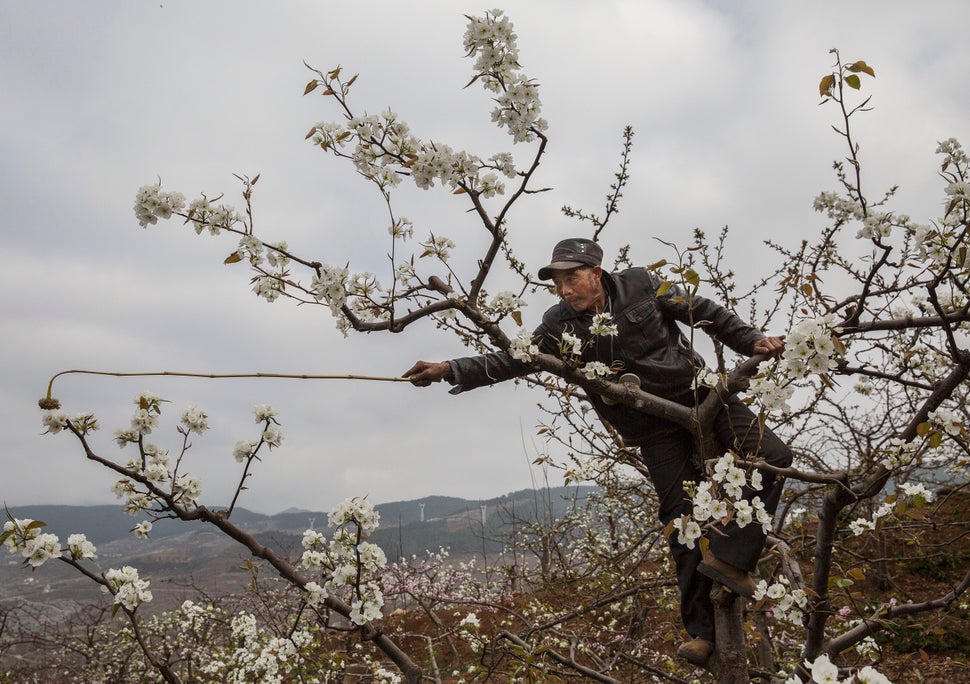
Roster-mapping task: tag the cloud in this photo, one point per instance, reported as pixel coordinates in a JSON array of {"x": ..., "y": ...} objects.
[{"x": 723, "y": 99}]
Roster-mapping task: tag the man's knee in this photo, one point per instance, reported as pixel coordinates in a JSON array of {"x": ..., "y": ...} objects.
[{"x": 777, "y": 453}]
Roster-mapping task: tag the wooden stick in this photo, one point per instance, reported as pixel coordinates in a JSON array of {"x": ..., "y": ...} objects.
[{"x": 180, "y": 374}]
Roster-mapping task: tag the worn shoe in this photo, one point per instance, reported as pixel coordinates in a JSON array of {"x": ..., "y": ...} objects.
[
  {"x": 735, "y": 579},
  {"x": 696, "y": 651}
]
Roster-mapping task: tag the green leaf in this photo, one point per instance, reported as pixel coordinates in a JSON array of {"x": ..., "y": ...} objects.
[
  {"x": 853, "y": 81},
  {"x": 923, "y": 429},
  {"x": 233, "y": 258},
  {"x": 664, "y": 286},
  {"x": 658, "y": 264},
  {"x": 692, "y": 278}
]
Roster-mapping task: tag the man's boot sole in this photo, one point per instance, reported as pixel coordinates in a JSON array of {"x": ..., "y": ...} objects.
[{"x": 724, "y": 580}]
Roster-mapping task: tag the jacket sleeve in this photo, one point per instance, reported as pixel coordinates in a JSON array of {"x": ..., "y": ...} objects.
[
  {"x": 716, "y": 320},
  {"x": 471, "y": 372}
]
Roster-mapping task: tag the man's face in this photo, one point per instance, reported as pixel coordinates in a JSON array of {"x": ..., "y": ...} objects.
[{"x": 581, "y": 288}]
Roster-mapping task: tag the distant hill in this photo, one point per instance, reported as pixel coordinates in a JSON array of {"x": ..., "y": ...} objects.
[
  {"x": 105, "y": 523},
  {"x": 184, "y": 555}
]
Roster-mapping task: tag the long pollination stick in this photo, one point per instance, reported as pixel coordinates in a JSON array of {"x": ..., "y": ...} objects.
[{"x": 49, "y": 402}]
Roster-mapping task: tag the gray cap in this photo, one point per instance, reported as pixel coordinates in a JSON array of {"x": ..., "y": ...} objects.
[{"x": 572, "y": 253}]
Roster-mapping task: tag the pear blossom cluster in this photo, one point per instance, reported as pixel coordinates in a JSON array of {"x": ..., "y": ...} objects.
[
  {"x": 603, "y": 325},
  {"x": 898, "y": 453},
  {"x": 24, "y": 536},
  {"x": 257, "y": 655},
  {"x": 948, "y": 421},
  {"x": 194, "y": 419},
  {"x": 505, "y": 303},
  {"x": 709, "y": 378},
  {"x": 347, "y": 562},
  {"x": 955, "y": 165},
  {"x": 788, "y": 603},
  {"x": 720, "y": 500},
  {"x": 491, "y": 41},
  {"x": 811, "y": 348},
  {"x": 152, "y": 204},
  {"x": 128, "y": 589},
  {"x": 913, "y": 494},
  {"x": 330, "y": 286},
  {"x": 944, "y": 245},
  {"x": 54, "y": 421},
  {"x": 596, "y": 369},
  {"x": 522, "y": 347},
  {"x": 204, "y": 216},
  {"x": 79, "y": 547},
  {"x": 142, "y": 529},
  {"x": 824, "y": 671},
  {"x": 152, "y": 462},
  {"x": 940, "y": 246},
  {"x": 874, "y": 225},
  {"x": 570, "y": 345},
  {"x": 383, "y": 149},
  {"x": 439, "y": 247}
]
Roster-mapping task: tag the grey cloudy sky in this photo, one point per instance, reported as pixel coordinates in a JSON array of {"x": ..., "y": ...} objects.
[{"x": 100, "y": 98}]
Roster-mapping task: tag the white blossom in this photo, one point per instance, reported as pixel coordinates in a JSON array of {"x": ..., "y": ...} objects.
[
  {"x": 194, "y": 419},
  {"x": 54, "y": 421},
  {"x": 152, "y": 204},
  {"x": 571, "y": 345},
  {"x": 128, "y": 589},
  {"x": 823, "y": 670},
  {"x": 595, "y": 369},
  {"x": 243, "y": 449},
  {"x": 79, "y": 547},
  {"x": 603, "y": 325},
  {"x": 470, "y": 620},
  {"x": 522, "y": 348}
]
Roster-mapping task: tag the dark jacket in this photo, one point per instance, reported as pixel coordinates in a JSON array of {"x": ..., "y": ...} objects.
[{"x": 648, "y": 342}]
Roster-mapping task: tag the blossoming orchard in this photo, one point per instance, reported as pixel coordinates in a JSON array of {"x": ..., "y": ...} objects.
[{"x": 870, "y": 392}]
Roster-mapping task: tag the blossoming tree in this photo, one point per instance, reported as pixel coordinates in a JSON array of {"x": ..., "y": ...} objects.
[{"x": 870, "y": 391}]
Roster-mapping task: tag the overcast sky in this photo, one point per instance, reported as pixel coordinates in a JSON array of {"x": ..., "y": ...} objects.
[{"x": 100, "y": 98}]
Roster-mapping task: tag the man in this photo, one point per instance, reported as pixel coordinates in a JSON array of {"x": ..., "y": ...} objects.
[{"x": 649, "y": 343}]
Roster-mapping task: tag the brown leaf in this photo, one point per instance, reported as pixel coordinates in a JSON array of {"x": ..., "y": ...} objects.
[
  {"x": 311, "y": 86},
  {"x": 856, "y": 67},
  {"x": 826, "y": 84}
]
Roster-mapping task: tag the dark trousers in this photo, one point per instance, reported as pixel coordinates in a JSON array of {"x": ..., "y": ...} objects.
[{"x": 668, "y": 457}]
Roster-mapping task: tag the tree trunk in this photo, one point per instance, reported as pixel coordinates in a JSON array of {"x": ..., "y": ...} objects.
[{"x": 731, "y": 665}]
